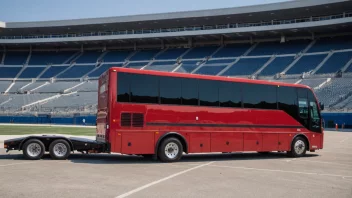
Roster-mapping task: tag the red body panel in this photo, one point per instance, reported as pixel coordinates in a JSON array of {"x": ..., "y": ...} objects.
[{"x": 205, "y": 129}]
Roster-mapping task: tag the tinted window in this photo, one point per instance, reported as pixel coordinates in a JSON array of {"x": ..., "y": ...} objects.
[
  {"x": 189, "y": 91},
  {"x": 303, "y": 107},
  {"x": 123, "y": 87},
  {"x": 208, "y": 93},
  {"x": 230, "y": 94},
  {"x": 287, "y": 99},
  {"x": 170, "y": 90},
  {"x": 259, "y": 96},
  {"x": 144, "y": 88}
]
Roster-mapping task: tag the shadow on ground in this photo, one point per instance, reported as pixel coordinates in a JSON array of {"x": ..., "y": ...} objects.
[{"x": 133, "y": 159}]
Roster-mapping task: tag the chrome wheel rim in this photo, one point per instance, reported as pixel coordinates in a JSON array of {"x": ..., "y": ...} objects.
[
  {"x": 60, "y": 149},
  {"x": 34, "y": 149},
  {"x": 300, "y": 147},
  {"x": 171, "y": 150}
]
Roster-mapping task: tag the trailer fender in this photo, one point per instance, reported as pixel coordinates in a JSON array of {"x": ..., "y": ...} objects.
[{"x": 172, "y": 134}]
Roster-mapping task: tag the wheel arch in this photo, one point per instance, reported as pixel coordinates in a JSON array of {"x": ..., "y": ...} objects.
[
  {"x": 304, "y": 137},
  {"x": 172, "y": 134}
]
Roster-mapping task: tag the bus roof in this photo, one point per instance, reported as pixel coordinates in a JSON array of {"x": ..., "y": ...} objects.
[{"x": 205, "y": 77}]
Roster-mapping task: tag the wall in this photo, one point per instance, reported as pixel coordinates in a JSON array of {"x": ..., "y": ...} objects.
[
  {"x": 331, "y": 119},
  {"x": 75, "y": 120}
]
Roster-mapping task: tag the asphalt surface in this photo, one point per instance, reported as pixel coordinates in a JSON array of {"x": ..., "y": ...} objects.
[{"x": 325, "y": 173}]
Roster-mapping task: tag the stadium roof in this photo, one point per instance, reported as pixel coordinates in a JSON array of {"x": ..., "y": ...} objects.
[{"x": 283, "y": 10}]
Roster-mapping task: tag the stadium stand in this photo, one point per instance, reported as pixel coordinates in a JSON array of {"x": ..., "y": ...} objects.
[
  {"x": 64, "y": 74},
  {"x": 116, "y": 56},
  {"x": 306, "y": 63},
  {"x": 16, "y": 58},
  {"x": 76, "y": 71},
  {"x": 171, "y": 54},
  {"x": 276, "y": 66},
  {"x": 245, "y": 66},
  {"x": 46, "y": 58},
  {"x": 53, "y": 71},
  {"x": 31, "y": 72}
]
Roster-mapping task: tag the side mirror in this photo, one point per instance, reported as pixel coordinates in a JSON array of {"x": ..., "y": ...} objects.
[{"x": 321, "y": 106}]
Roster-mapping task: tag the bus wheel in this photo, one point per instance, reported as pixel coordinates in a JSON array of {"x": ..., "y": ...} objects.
[
  {"x": 59, "y": 149},
  {"x": 298, "y": 147},
  {"x": 33, "y": 149},
  {"x": 170, "y": 150}
]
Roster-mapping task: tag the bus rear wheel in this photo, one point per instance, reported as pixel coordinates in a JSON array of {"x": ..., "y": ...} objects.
[
  {"x": 170, "y": 150},
  {"x": 298, "y": 147}
]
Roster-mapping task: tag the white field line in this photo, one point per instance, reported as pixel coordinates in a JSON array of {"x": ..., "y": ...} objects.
[
  {"x": 51, "y": 125},
  {"x": 160, "y": 180}
]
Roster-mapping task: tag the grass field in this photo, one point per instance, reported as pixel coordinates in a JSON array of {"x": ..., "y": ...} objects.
[{"x": 24, "y": 130}]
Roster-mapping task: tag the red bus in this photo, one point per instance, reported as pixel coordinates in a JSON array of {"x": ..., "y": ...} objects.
[{"x": 167, "y": 114}]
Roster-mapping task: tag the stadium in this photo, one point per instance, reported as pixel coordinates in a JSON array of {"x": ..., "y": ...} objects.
[
  {"x": 49, "y": 69},
  {"x": 53, "y": 73}
]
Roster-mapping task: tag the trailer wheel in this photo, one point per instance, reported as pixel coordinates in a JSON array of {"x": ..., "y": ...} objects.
[
  {"x": 59, "y": 149},
  {"x": 298, "y": 147},
  {"x": 170, "y": 150},
  {"x": 33, "y": 149}
]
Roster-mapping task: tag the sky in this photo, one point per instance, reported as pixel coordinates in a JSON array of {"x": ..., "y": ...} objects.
[{"x": 44, "y": 10}]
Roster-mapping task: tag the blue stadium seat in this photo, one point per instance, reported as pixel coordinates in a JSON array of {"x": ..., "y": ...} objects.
[
  {"x": 277, "y": 66},
  {"x": 270, "y": 48},
  {"x": 306, "y": 64},
  {"x": 187, "y": 66},
  {"x": 44, "y": 58},
  {"x": 116, "y": 56},
  {"x": 77, "y": 71},
  {"x": 232, "y": 50},
  {"x": 1, "y": 57},
  {"x": 200, "y": 52},
  {"x": 53, "y": 71},
  {"x": 9, "y": 72},
  {"x": 16, "y": 58},
  {"x": 100, "y": 70},
  {"x": 31, "y": 72},
  {"x": 349, "y": 69},
  {"x": 137, "y": 65},
  {"x": 210, "y": 70},
  {"x": 89, "y": 57},
  {"x": 166, "y": 68},
  {"x": 335, "y": 62},
  {"x": 171, "y": 53},
  {"x": 144, "y": 55},
  {"x": 327, "y": 44},
  {"x": 245, "y": 66}
]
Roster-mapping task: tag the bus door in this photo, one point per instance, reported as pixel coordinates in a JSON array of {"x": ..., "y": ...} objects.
[{"x": 309, "y": 115}]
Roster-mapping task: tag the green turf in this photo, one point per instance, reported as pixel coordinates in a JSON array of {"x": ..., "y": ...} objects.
[{"x": 25, "y": 130}]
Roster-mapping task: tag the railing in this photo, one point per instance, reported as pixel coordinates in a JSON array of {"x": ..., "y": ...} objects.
[{"x": 182, "y": 29}]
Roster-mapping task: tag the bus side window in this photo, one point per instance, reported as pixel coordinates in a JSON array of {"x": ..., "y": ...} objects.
[{"x": 303, "y": 108}]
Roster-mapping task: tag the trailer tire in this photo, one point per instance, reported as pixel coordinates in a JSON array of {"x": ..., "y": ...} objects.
[
  {"x": 59, "y": 149},
  {"x": 33, "y": 149},
  {"x": 170, "y": 150}
]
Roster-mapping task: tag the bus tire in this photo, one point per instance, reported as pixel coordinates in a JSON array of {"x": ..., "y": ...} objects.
[
  {"x": 298, "y": 147},
  {"x": 170, "y": 150},
  {"x": 33, "y": 149},
  {"x": 59, "y": 149}
]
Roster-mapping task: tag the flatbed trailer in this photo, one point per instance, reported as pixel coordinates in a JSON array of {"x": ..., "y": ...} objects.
[{"x": 59, "y": 147}]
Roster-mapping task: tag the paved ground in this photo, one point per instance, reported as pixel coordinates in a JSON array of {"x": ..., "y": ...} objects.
[{"x": 326, "y": 173}]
